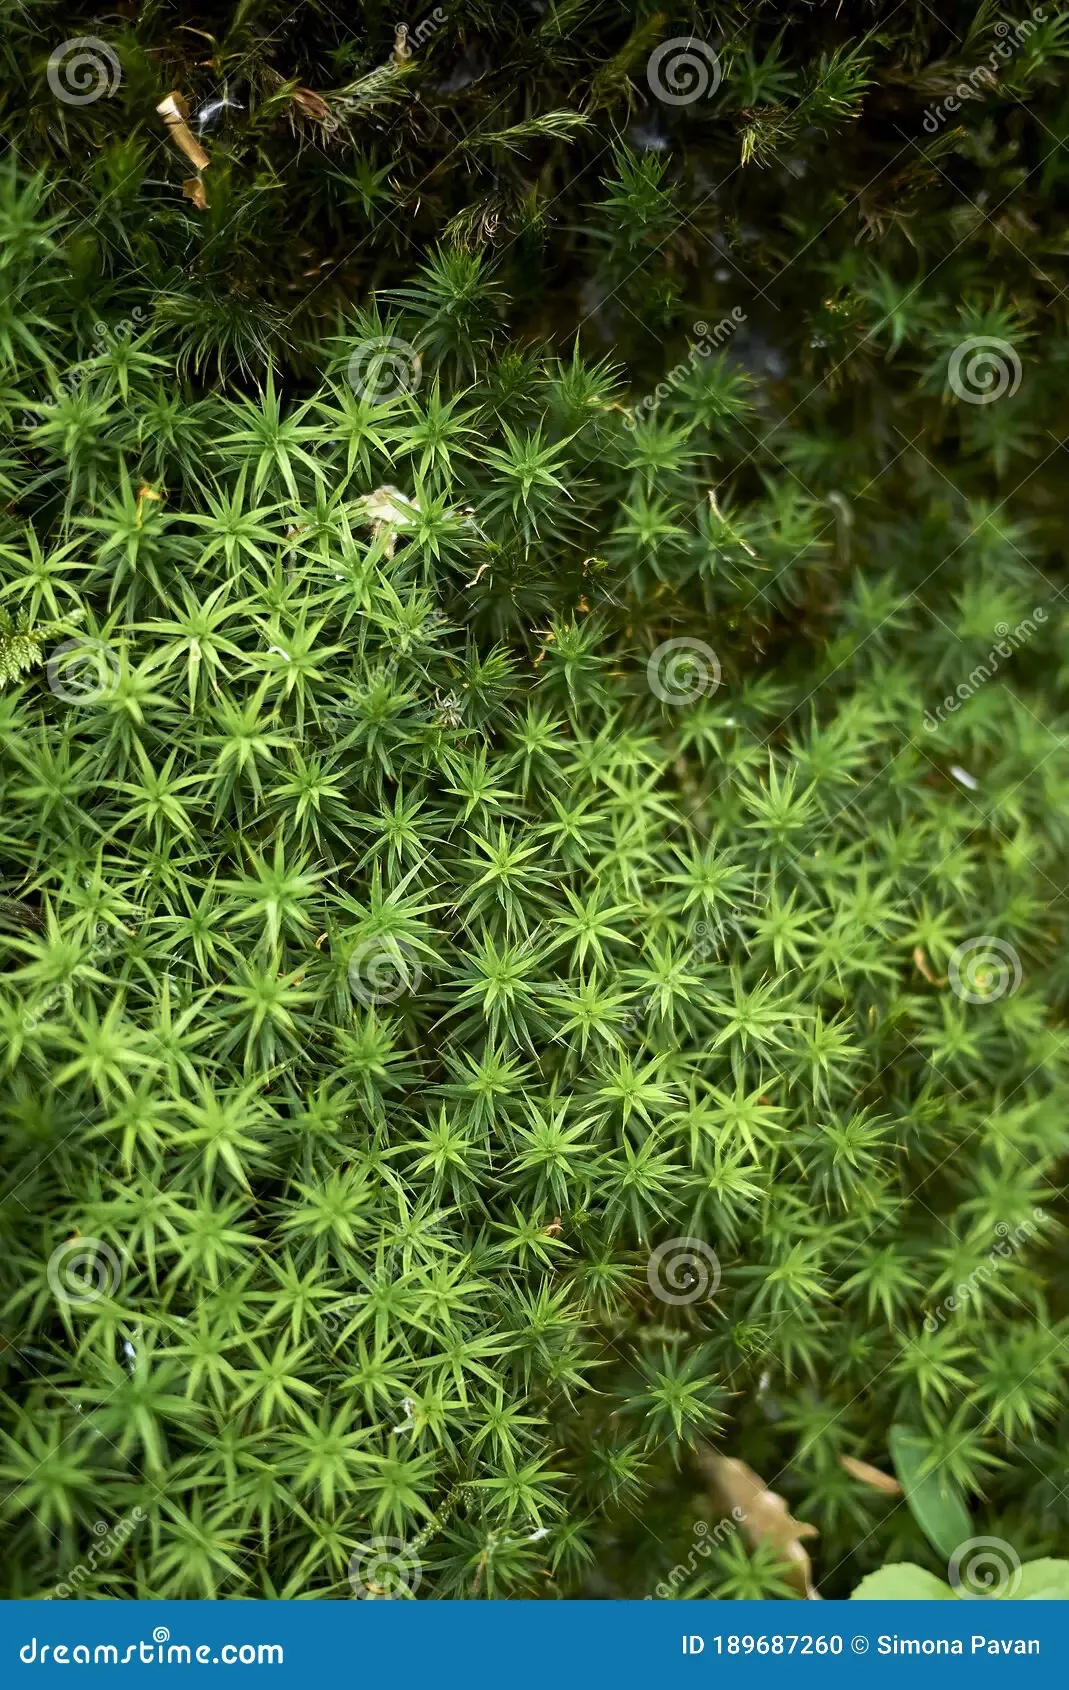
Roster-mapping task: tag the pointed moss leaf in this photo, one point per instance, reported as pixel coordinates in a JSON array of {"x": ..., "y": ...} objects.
[{"x": 937, "y": 1507}]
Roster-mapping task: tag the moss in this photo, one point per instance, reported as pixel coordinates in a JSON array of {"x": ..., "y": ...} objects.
[{"x": 533, "y": 765}]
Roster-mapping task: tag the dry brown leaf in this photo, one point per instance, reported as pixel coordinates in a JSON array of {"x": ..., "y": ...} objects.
[
  {"x": 312, "y": 105},
  {"x": 762, "y": 1515},
  {"x": 386, "y": 511},
  {"x": 721, "y": 518},
  {"x": 885, "y": 1482},
  {"x": 922, "y": 963},
  {"x": 150, "y": 495},
  {"x": 193, "y": 189},
  {"x": 174, "y": 112}
]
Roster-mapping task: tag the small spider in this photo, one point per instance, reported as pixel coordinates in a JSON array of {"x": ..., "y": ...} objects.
[{"x": 450, "y": 709}]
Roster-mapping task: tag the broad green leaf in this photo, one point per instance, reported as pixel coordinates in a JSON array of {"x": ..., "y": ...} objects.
[
  {"x": 937, "y": 1507},
  {"x": 904, "y": 1581},
  {"x": 1045, "y": 1580}
]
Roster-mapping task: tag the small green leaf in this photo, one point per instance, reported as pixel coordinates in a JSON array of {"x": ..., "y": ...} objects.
[
  {"x": 904, "y": 1581},
  {"x": 938, "y": 1508}
]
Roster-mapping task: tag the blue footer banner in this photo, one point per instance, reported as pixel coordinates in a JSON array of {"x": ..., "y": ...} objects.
[{"x": 512, "y": 1645}]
